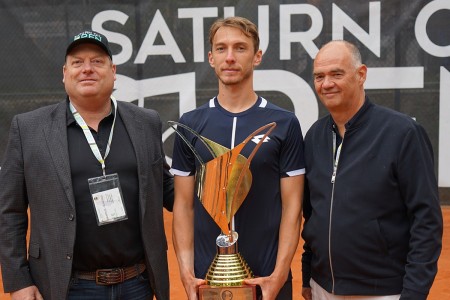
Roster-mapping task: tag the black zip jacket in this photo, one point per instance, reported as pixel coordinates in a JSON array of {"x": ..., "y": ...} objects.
[{"x": 378, "y": 229}]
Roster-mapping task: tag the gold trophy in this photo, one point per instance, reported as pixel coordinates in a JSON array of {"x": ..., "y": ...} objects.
[{"x": 222, "y": 184}]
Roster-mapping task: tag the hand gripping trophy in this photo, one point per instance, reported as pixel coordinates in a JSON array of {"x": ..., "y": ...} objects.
[{"x": 221, "y": 185}]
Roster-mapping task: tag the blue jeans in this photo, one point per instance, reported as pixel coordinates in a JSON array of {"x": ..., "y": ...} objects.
[{"x": 136, "y": 288}]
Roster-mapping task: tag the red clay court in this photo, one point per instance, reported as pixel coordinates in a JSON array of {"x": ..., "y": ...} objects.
[{"x": 439, "y": 291}]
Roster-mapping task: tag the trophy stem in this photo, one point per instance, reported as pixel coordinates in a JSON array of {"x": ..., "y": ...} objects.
[{"x": 232, "y": 249}]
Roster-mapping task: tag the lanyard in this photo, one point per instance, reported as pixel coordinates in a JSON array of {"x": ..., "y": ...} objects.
[
  {"x": 335, "y": 157},
  {"x": 90, "y": 138}
]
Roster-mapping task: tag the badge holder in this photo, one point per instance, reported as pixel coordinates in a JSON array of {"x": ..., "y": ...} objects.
[{"x": 107, "y": 199}]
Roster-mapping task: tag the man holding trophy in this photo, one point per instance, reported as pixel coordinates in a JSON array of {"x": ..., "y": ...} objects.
[{"x": 239, "y": 175}]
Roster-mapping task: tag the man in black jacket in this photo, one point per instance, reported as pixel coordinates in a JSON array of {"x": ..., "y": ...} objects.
[{"x": 373, "y": 223}]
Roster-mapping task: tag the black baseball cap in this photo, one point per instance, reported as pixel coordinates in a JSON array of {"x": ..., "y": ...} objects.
[{"x": 92, "y": 37}]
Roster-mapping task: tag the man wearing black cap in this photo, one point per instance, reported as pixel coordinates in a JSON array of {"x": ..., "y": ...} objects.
[{"x": 92, "y": 172}]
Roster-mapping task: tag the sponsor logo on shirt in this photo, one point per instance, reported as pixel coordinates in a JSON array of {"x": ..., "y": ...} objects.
[{"x": 258, "y": 138}]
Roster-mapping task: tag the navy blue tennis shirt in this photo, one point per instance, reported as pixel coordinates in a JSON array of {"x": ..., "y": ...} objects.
[{"x": 280, "y": 155}]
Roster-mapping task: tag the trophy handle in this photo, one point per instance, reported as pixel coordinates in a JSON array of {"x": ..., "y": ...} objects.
[
  {"x": 234, "y": 153},
  {"x": 239, "y": 147},
  {"x": 173, "y": 123}
]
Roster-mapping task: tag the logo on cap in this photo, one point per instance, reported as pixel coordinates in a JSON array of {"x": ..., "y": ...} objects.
[{"x": 89, "y": 35}]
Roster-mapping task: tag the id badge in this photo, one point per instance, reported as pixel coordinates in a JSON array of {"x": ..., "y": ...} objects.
[{"x": 107, "y": 198}]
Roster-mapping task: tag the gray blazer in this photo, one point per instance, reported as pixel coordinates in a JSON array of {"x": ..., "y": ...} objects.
[{"x": 35, "y": 174}]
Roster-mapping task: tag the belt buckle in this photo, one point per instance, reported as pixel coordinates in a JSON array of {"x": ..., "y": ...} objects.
[{"x": 109, "y": 276}]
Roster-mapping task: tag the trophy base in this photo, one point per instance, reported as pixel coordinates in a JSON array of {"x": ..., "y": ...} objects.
[{"x": 243, "y": 292}]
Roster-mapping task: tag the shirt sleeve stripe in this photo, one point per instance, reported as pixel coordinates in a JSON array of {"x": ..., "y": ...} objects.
[
  {"x": 179, "y": 173},
  {"x": 296, "y": 172}
]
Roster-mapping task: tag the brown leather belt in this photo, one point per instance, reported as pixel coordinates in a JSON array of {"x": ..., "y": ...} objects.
[{"x": 112, "y": 276}]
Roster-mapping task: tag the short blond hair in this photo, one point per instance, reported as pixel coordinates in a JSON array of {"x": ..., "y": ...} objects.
[{"x": 246, "y": 26}]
